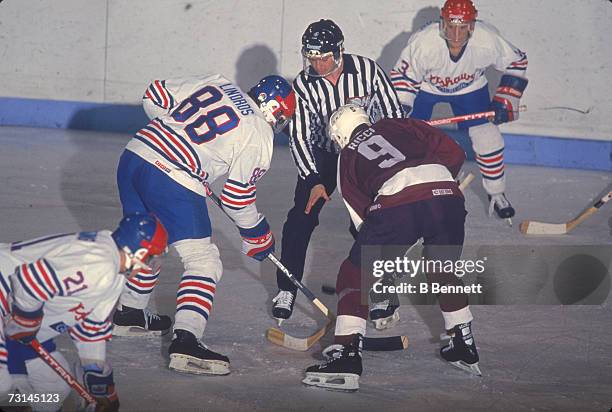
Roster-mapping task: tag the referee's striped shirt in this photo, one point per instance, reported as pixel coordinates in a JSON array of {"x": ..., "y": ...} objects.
[{"x": 361, "y": 79}]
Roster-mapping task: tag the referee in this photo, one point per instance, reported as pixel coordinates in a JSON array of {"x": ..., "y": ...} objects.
[{"x": 329, "y": 80}]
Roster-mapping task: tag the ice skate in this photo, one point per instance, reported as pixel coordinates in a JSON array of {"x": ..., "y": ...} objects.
[
  {"x": 189, "y": 355},
  {"x": 461, "y": 350},
  {"x": 139, "y": 322},
  {"x": 500, "y": 204},
  {"x": 342, "y": 369},
  {"x": 282, "y": 307}
]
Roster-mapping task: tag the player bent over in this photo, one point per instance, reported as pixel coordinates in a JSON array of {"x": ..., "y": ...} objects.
[
  {"x": 200, "y": 129},
  {"x": 397, "y": 179},
  {"x": 445, "y": 62},
  {"x": 68, "y": 283}
]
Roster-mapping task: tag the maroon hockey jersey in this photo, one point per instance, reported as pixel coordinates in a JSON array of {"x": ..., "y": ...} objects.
[{"x": 397, "y": 161}]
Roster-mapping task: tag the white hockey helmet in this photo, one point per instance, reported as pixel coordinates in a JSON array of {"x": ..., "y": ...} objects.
[{"x": 344, "y": 121}]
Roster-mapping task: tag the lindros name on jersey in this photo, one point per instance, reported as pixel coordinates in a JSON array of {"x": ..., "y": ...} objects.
[{"x": 237, "y": 98}]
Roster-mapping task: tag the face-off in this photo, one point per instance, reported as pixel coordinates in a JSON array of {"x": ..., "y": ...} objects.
[{"x": 440, "y": 217}]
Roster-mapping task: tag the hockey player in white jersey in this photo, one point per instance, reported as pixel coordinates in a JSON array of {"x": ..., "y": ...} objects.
[
  {"x": 200, "y": 129},
  {"x": 68, "y": 283},
  {"x": 446, "y": 62}
]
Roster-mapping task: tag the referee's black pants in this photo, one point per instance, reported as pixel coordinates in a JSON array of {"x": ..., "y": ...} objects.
[{"x": 299, "y": 226}]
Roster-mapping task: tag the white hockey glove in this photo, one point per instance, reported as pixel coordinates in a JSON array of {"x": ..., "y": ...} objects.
[
  {"x": 23, "y": 326},
  {"x": 258, "y": 241},
  {"x": 98, "y": 380}
]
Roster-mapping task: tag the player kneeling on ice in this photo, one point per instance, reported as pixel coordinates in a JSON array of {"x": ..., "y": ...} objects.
[
  {"x": 397, "y": 179},
  {"x": 68, "y": 283},
  {"x": 201, "y": 129}
]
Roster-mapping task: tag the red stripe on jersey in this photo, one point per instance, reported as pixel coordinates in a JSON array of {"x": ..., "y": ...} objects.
[
  {"x": 161, "y": 92},
  {"x": 158, "y": 143},
  {"x": 238, "y": 190},
  {"x": 42, "y": 270},
  {"x": 197, "y": 285},
  {"x": 146, "y": 284},
  {"x": 4, "y": 302},
  {"x": 30, "y": 280},
  {"x": 232, "y": 202},
  {"x": 82, "y": 338},
  {"x": 178, "y": 144},
  {"x": 193, "y": 299}
]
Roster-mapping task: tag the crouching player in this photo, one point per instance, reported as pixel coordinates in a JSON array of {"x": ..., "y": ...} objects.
[
  {"x": 67, "y": 283},
  {"x": 397, "y": 179}
]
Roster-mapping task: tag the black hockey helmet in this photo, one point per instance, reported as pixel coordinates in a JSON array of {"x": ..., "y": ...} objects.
[{"x": 322, "y": 37}]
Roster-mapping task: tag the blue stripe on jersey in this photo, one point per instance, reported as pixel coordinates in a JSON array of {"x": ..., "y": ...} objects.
[
  {"x": 163, "y": 154},
  {"x": 187, "y": 143},
  {"x": 157, "y": 98},
  {"x": 24, "y": 285},
  {"x": 175, "y": 150},
  {"x": 4, "y": 285},
  {"x": 40, "y": 280},
  {"x": 53, "y": 274},
  {"x": 24, "y": 243},
  {"x": 239, "y": 197}
]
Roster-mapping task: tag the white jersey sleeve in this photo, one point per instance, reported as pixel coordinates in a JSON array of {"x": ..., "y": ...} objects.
[
  {"x": 409, "y": 71},
  {"x": 162, "y": 96},
  {"x": 507, "y": 58},
  {"x": 251, "y": 160}
]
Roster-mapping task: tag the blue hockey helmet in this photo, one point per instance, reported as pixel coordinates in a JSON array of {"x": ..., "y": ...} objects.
[
  {"x": 276, "y": 100},
  {"x": 141, "y": 236}
]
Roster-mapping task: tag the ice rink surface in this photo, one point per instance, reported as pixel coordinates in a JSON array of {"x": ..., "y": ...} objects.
[{"x": 533, "y": 357}]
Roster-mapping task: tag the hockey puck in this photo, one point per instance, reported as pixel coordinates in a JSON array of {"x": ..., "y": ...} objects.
[{"x": 329, "y": 290}]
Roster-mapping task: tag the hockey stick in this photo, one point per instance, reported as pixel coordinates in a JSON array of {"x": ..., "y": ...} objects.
[
  {"x": 279, "y": 337},
  {"x": 465, "y": 117},
  {"x": 530, "y": 227},
  {"x": 63, "y": 373}
]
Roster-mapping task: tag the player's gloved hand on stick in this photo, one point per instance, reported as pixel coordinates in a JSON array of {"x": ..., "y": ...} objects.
[
  {"x": 97, "y": 378},
  {"x": 258, "y": 241},
  {"x": 22, "y": 325},
  {"x": 507, "y": 98}
]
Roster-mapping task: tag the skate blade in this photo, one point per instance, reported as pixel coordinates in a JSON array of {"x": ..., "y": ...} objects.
[
  {"x": 137, "y": 331},
  {"x": 190, "y": 364},
  {"x": 473, "y": 369},
  {"x": 509, "y": 221},
  {"x": 279, "y": 321},
  {"x": 339, "y": 382},
  {"x": 387, "y": 323}
]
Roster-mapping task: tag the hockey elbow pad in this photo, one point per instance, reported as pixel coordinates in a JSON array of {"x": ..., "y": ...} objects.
[{"x": 507, "y": 97}]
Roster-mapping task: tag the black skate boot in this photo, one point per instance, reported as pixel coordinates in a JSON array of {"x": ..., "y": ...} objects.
[
  {"x": 139, "y": 322},
  {"x": 383, "y": 311},
  {"x": 342, "y": 369},
  {"x": 282, "y": 307},
  {"x": 188, "y": 354},
  {"x": 461, "y": 349},
  {"x": 502, "y": 207}
]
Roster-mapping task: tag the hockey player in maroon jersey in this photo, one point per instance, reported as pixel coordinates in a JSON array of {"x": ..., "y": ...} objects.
[{"x": 397, "y": 179}]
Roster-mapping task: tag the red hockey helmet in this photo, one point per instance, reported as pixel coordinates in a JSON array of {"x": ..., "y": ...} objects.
[
  {"x": 457, "y": 20},
  {"x": 459, "y": 11}
]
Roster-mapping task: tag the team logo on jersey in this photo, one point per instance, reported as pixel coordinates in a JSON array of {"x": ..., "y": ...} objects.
[{"x": 60, "y": 327}]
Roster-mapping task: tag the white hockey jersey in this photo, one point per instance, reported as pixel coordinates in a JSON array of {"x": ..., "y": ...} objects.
[
  {"x": 426, "y": 63},
  {"x": 203, "y": 128},
  {"x": 74, "y": 277}
]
